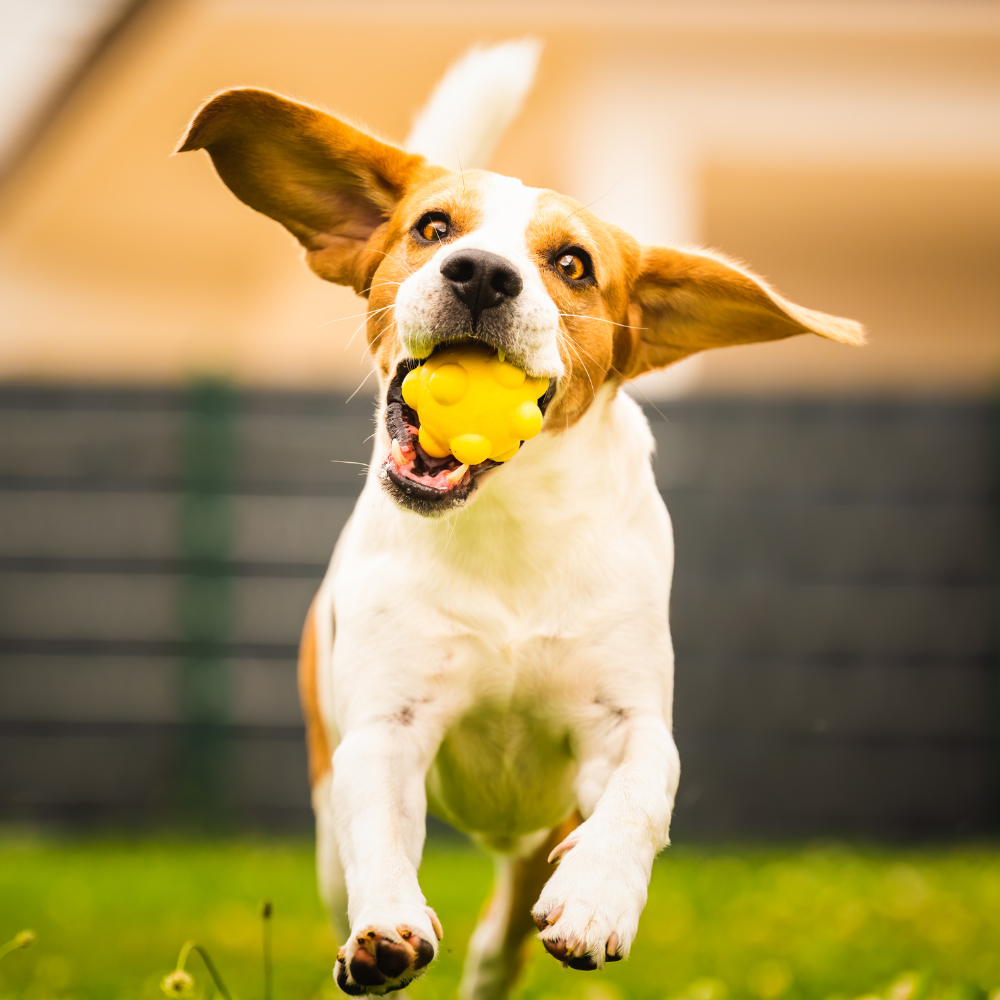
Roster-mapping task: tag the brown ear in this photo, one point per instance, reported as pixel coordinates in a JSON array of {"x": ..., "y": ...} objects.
[
  {"x": 330, "y": 184},
  {"x": 685, "y": 302}
]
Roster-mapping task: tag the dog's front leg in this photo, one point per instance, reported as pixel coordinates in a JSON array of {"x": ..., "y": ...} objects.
[
  {"x": 588, "y": 912},
  {"x": 379, "y": 805}
]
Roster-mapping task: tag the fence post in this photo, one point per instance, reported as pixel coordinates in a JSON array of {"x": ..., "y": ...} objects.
[{"x": 204, "y": 598}]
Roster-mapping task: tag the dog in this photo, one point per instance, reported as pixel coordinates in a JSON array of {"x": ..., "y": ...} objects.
[{"x": 491, "y": 644}]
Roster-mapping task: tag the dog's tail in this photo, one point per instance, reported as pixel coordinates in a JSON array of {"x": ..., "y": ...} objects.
[{"x": 474, "y": 104}]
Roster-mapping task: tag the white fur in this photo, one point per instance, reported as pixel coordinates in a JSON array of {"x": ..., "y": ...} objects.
[
  {"x": 474, "y": 103},
  {"x": 538, "y": 611}
]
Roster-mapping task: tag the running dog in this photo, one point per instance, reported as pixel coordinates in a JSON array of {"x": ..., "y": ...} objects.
[{"x": 491, "y": 644}]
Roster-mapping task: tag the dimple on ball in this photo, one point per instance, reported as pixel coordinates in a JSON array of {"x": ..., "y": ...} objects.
[{"x": 473, "y": 405}]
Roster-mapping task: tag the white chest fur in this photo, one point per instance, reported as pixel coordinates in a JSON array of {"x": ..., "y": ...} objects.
[{"x": 517, "y": 631}]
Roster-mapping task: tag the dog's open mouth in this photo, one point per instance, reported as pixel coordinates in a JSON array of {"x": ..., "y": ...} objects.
[{"x": 432, "y": 482}]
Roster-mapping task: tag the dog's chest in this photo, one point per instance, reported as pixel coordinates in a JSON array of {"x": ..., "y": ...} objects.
[
  {"x": 508, "y": 761},
  {"x": 505, "y": 773}
]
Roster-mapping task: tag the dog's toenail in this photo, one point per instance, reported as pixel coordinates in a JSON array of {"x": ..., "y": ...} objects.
[
  {"x": 611, "y": 951},
  {"x": 554, "y": 914},
  {"x": 540, "y": 922},
  {"x": 405, "y": 932},
  {"x": 435, "y": 923},
  {"x": 342, "y": 954},
  {"x": 559, "y": 850}
]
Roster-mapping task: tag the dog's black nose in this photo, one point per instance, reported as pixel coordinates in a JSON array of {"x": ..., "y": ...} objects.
[{"x": 481, "y": 279}]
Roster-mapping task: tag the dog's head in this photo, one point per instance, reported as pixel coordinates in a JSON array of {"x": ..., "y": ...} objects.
[{"x": 445, "y": 257}]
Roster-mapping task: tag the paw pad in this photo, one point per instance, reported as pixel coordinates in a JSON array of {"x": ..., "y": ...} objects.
[{"x": 379, "y": 960}]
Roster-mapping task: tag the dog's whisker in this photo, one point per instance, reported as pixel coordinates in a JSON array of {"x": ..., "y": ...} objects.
[
  {"x": 375, "y": 340},
  {"x": 595, "y": 201},
  {"x": 648, "y": 400},
  {"x": 569, "y": 344},
  {"x": 364, "y": 323},
  {"x": 356, "y": 391},
  {"x": 357, "y": 330},
  {"x": 579, "y": 347},
  {"x": 593, "y": 391},
  {"x": 337, "y": 319},
  {"x": 403, "y": 264},
  {"x": 599, "y": 319}
]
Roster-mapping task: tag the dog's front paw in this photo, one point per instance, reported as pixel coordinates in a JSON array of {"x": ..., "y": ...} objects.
[
  {"x": 588, "y": 913},
  {"x": 381, "y": 959}
]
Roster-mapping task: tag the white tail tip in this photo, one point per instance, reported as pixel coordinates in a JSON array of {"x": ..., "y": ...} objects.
[{"x": 474, "y": 104}]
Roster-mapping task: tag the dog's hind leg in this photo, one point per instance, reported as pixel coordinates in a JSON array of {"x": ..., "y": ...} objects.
[
  {"x": 500, "y": 943},
  {"x": 329, "y": 872}
]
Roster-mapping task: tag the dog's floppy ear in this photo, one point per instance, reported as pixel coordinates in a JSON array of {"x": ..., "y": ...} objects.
[
  {"x": 683, "y": 302},
  {"x": 330, "y": 184}
]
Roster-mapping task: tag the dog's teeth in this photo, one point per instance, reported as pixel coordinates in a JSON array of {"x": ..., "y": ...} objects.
[
  {"x": 397, "y": 453},
  {"x": 435, "y": 923},
  {"x": 455, "y": 476}
]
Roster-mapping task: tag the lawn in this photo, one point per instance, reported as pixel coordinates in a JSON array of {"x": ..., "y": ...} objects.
[{"x": 782, "y": 924}]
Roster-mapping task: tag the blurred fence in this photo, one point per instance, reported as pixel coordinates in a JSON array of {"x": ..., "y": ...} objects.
[{"x": 833, "y": 606}]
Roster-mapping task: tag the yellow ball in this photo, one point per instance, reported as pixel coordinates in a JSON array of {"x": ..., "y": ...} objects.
[{"x": 473, "y": 405}]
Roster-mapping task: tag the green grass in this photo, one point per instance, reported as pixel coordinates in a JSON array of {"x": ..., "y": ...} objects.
[{"x": 814, "y": 922}]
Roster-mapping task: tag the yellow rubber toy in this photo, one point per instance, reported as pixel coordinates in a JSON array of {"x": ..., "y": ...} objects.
[{"x": 473, "y": 405}]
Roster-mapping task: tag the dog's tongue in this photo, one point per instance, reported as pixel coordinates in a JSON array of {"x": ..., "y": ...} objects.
[{"x": 440, "y": 473}]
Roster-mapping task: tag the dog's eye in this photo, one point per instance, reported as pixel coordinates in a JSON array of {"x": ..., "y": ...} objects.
[
  {"x": 573, "y": 264},
  {"x": 433, "y": 227}
]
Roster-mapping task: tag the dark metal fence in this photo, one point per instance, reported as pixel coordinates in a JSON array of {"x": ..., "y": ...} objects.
[{"x": 832, "y": 611}]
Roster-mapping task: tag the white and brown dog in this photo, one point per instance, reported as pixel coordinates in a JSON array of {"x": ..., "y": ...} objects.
[{"x": 491, "y": 644}]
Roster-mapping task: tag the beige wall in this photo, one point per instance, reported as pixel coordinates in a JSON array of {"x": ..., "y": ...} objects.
[{"x": 854, "y": 162}]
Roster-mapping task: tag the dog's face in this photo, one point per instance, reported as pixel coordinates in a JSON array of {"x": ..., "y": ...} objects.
[
  {"x": 445, "y": 257},
  {"x": 531, "y": 274}
]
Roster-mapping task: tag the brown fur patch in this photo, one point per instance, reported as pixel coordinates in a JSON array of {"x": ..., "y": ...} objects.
[
  {"x": 317, "y": 742},
  {"x": 527, "y": 876},
  {"x": 688, "y": 302},
  {"x": 331, "y": 185},
  {"x": 592, "y": 316}
]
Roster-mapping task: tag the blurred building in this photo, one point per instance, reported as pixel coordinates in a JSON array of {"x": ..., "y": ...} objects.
[{"x": 174, "y": 382}]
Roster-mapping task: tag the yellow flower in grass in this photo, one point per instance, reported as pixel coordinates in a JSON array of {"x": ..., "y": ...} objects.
[
  {"x": 24, "y": 939},
  {"x": 178, "y": 984},
  {"x": 904, "y": 987}
]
